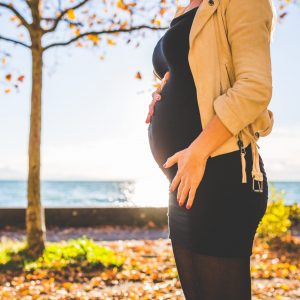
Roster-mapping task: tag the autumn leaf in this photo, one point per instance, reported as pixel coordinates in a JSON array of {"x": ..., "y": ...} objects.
[
  {"x": 14, "y": 18},
  {"x": 7, "y": 91},
  {"x": 71, "y": 14},
  {"x": 162, "y": 11},
  {"x": 121, "y": 4},
  {"x": 281, "y": 16},
  {"x": 77, "y": 31},
  {"x": 156, "y": 22},
  {"x": 21, "y": 78},
  {"x": 93, "y": 38},
  {"x": 111, "y": 42},
  {"x": 123, "y": 25},
  {"x": 8, "y": 77},
  {"x": 138, "y": 75}
]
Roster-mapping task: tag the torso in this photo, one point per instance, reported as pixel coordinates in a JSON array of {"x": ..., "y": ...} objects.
[{"x": 176, "y": 120}]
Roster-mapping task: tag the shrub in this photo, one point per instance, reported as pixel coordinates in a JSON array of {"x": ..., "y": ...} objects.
[
  {"x": 295, "y": 214},
  {"x": 82, "y": 252},
  {"x": 276, "y": 221}
]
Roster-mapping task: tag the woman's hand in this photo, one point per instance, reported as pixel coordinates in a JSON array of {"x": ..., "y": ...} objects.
[
  {"x": 191, "y": 166},
  {"x": 156, "y": 96}
]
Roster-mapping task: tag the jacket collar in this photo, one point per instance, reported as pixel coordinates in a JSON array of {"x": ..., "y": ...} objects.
[{"x": 204, "y": 12}]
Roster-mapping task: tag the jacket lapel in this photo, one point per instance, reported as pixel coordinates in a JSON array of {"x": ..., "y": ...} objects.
[{"x": 204, "y": 12}]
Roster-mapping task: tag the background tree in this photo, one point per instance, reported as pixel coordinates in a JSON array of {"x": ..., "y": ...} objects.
[{"x": 46, "y": 24}]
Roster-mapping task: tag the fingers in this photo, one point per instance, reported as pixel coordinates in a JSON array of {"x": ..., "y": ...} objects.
[
  {"x": 151, "y": 111},
  {"x": 148, "y": 119},
  {"x": 179, "y": 191},
  {"x": 182, "y": 192},
  {"x": 163, "y": 81},
  {"x": 156, "y": 96},
  {"x": 172, "y": 159},
  {"x": 167, "y": 76},
  {"x": 191, "y": 198},
  {"x": 175, "y": 181}
]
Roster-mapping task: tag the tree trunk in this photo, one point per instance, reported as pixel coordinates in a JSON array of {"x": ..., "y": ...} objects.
[{"x": 35, "y": 215}]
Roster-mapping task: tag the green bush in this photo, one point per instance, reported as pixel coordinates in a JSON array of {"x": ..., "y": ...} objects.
[
  {"x": 276, "y": 221},
  {"x": 82, "y": 252}
]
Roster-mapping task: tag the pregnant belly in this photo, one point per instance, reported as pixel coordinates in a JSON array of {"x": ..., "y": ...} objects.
[{"x": 175, "y": 122}]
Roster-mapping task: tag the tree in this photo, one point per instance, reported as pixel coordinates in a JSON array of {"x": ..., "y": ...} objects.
[
  {"x": 83, "y": 24},
  {"x": 283, "y": 5}
]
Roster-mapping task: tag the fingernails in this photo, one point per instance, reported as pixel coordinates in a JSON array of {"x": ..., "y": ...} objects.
[
  {"x": 164, "y": 165},
  {"x": 188, "y": 206}
]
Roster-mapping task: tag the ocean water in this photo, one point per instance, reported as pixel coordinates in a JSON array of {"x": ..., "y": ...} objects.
[{"x": 110, "y": 193}]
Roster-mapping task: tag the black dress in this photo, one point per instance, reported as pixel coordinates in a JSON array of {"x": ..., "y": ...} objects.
[{"x": 226, "y": 212}]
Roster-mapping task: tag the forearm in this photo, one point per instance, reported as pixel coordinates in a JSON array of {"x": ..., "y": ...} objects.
[{"x": 213, "y": 136}]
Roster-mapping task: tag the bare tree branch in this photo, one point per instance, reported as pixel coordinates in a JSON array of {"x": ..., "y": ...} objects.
[
  {"x": 102, "y": 32},
  {"x": 63, "y": 13},
  {"x": 14, "y": 41},
  {"x": 65, "y": 20},
  {"x": 17, "y": 13}
]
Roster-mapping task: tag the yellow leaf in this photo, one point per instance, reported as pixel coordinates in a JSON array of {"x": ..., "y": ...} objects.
[
  {"x": 77, "y": 31},
  {"x": 156, "y": 22},
  {"x": 123, "y": 25},
  {"x": 71, "y": 14},
  {"x": 93, "y": 38},
  {"x": 111, "y": 42},
  {"x": 121, "y": 4},
  {"x": 7, "y": 91}
]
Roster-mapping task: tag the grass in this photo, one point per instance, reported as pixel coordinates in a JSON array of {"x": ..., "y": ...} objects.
[{"x": 81, "y": 252}]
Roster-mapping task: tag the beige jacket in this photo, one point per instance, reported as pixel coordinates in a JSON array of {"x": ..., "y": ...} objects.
[{"x": 229, "y": 57}]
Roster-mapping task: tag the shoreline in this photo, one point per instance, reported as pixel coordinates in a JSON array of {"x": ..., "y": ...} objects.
[{"x": 103, "y": 232}]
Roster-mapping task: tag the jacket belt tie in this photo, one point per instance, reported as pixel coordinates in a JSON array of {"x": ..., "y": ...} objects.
[{"x": 256, "y": 173}]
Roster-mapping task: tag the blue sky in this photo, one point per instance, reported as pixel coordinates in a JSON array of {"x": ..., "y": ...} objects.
[{"x": 94, "y": 112}]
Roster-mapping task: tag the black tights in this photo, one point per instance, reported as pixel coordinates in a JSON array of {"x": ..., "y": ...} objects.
[{"x": 205, "y": 277}]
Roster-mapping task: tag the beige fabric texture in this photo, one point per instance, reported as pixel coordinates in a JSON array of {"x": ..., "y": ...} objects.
[{"x": 229, "y": 57}]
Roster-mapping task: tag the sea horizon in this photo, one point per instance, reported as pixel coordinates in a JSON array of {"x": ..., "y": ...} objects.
[{"x": 110, "y": 192}]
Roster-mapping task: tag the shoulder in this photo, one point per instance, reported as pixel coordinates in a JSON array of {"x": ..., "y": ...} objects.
[
  {"x": 266, "y": 5},
  {"x": 254, "y": 9}
]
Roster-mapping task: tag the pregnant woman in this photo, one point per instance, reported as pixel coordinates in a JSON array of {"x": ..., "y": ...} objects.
[{"x": 212, "y": 235}]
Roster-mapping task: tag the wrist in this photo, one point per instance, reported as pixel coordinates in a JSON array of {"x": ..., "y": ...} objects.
[{"x": 200, "y": 151}]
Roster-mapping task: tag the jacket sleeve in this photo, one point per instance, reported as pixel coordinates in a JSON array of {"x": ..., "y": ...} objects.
[{"x": 249, "y": 26}]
